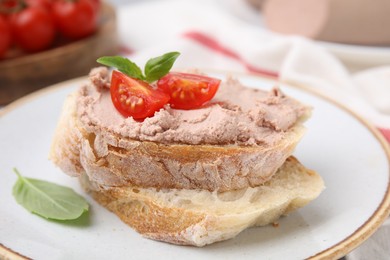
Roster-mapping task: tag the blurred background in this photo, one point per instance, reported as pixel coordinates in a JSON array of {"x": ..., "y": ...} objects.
[
  {"x": 339, "y": 47},
  {"x": 355, "y": 34}
]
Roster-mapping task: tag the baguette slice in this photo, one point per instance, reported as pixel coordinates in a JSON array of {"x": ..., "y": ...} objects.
[
  {"x": 199, "y": 217},
  {"x": 113, "y": 160}
]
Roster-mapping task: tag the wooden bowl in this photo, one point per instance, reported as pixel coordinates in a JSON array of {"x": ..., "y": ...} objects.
[{"x": 22, "y": 75}]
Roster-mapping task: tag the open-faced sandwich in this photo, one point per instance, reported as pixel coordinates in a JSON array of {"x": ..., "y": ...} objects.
[{"x": 182, "y": 157}]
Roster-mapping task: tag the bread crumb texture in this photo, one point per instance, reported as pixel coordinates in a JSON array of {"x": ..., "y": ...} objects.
[{"x": 200, "y": 217}]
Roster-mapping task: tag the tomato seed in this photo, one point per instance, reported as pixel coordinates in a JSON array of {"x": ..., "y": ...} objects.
[
  {"x": 204, "y": 90},
  {"x": 140, "y": 101}
]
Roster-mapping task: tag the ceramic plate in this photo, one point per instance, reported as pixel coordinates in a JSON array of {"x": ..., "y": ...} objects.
[
  {"x": 354, "y": 56},
  {"x": 349, "y": 154}
]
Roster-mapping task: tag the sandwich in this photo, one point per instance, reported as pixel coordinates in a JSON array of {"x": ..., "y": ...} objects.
[{"x": 185, "y": 175}]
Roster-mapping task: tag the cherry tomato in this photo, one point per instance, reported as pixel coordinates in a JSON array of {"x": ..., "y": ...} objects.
[
  {"x": 188, "y": 91},
  {"x": 33, "y": 28},
  {"x": 7, "y": 7},
  {"x": 75, "y": 19},
  {"x": 97, "y": 4},
  {"x": 5, "y": 36},
  {"x": 8, "y": 4},
  {"x": 136, "y": 98},
  {"x": 39, "y": 3}
]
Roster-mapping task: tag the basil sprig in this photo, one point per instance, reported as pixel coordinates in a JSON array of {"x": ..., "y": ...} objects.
[
  {"x": 47, "y": 199},
  {"x": 155, "y": 68}
]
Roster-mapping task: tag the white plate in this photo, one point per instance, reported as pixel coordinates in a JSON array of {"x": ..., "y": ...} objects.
[
  {"x": 354, "y": 56},
  {"x": 350, "y": 155}
]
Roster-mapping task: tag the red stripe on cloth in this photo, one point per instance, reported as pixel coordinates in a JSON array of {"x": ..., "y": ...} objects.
[
  {"x": 125, "y": 50},
  {"x": 386, "y": 133},
  {"x": 218, "y": 47}
]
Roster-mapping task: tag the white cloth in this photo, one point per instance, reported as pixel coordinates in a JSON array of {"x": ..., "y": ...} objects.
[{"x": 209, "y": 36}]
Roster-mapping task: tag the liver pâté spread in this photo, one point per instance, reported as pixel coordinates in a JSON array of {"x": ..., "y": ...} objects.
[{"x": 236, "y": 115}]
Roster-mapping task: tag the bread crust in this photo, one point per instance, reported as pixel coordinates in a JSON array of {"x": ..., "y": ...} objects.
[
  {"x": 150, "y": 164},
  {"x": 184, "y": 194},
  {"x": 198, "y": 217}
]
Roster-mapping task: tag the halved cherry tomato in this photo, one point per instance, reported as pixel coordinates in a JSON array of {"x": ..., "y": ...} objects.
[
  {"x": 135, "y": 98},
  {"x": 188, "y": 91}
]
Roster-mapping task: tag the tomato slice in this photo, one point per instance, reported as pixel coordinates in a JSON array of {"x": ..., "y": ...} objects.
[
  {"x": 135, "y": 98},
  {"x": 188, "y": 91}
]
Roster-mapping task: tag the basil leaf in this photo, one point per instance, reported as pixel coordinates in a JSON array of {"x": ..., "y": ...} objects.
[
  {"x": 158, "y": 67},
  {"x": 124, "y": 65},
  {"x": 47, "y": 199}
]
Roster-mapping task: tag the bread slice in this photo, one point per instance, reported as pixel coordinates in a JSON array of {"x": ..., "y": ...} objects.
[
  {"x": 112, "y": 160},
  {"x": 199, "y": 217}
]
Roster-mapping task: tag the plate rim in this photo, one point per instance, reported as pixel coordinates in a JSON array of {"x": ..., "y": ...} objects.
[
  {"x": 382, "y": 212},
  {"x": 340, "y": 249}
]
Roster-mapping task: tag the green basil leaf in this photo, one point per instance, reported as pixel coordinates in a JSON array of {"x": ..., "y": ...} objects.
[
  {"x": 124, "y": 65},
  {"x": 47, "y": 199},
  {"x": 158, "y": 67}
]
